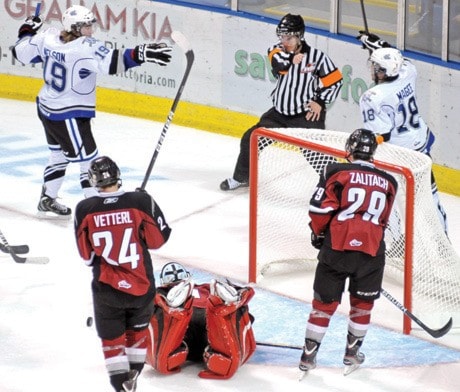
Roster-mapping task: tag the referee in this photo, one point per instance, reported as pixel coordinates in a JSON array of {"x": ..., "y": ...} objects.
[{"x": 307, "y": 81}]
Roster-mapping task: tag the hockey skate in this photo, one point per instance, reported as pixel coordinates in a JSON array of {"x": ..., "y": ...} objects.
[
  {"x": 131, "y": 384},
  {"x": 50, "y": 208},
  {"x": 308, "y": 358},
  {"x": 231, "y": 184},
  {"x": 353, "y": 358}
]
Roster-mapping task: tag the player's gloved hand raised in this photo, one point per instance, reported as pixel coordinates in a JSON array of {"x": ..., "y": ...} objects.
[
  {"x": 152, "y": 53},
  {"x": 371, "y": 41},
  {"x": 30, "y": 27},
  {"x": 317, "y": 240}
]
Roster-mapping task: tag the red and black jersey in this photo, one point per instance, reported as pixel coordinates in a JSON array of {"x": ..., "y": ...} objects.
[
  {"x": 351, "y": 205},
  {"x": 114, "y": 232}
]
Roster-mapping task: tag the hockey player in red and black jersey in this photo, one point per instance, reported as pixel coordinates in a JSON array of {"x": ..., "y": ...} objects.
[
  {"x": 114, "y": 232},
  {"x": 207, "y": 322},
  {"x": 349, "y": 211}
]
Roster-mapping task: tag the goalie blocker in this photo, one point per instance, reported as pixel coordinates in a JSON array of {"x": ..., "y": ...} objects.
[{"x": 208, "y": 322}]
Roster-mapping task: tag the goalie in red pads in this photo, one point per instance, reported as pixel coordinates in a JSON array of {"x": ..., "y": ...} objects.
[{"x": 207, "y": 322}]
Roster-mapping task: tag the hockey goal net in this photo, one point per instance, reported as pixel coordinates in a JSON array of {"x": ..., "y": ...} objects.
[{"x": 284, "y": 172}]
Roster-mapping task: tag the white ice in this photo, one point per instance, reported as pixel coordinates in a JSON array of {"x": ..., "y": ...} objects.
[{"x": 46, "y": 345}]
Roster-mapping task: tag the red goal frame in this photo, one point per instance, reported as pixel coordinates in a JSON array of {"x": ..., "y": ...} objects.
[{"x": 253, "y": 192}]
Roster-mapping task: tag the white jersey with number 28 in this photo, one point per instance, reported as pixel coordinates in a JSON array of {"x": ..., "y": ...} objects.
[{"x": 391, "y": 107}]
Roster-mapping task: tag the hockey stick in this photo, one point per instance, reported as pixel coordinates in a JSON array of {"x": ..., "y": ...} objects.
[
  {"x": 22, "y": 260},
  {"x": 182, "y": 42},
  {"x": 278, "y": 345},
  {"x": 15, "y": 248},
  {"x": 436, "y": 333},
  {"x": 363, "y": 11}
]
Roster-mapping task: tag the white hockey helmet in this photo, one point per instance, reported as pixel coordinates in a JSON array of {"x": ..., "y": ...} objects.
[
  {"x": 173, "y": 272},
  {"x": 388, "y": 60},
  {"x": 75, "y": 17}
]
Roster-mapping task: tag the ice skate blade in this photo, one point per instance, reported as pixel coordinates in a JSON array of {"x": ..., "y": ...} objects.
[
  {"x": 302, "y": 374},
  {"x": 53, "y": 216},
  {"x": 350, "y": 369}
]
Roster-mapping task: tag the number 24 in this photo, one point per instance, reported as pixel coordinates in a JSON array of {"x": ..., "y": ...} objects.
[{"x": 128, "y": 250}]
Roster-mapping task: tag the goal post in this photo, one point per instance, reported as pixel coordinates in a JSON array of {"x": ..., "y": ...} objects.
[{"x": 284, "y": 167}]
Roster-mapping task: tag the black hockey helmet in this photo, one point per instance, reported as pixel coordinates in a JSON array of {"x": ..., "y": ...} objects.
[
  {"x": 173, "y": 272},
  {"x": 361, "y": 144},
  {"x": 291, "y": 25},
  {"x": 103, "y": 172}
]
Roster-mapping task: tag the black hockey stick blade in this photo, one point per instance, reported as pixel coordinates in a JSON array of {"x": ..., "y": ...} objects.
[
  {"x": 29, "y": 260},
  {"x": 19, "y": 259},
  {"x": 436, "y": 333},
  {"x": 184, "y": 44},
  {"x": 26, "y": 260},
  {"x": 19, "y": 249}
]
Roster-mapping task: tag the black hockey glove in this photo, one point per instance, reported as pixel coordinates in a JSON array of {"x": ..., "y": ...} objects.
[
  {"x": 371, "y": 41},
  {"x": 317, "y": 240},
  {"x": 30, "y": 27},
  {"x": 152, "y": 53}
]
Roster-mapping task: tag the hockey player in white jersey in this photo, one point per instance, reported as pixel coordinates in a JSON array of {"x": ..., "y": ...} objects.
[
  {"x": 71, "y": 60},
  {"x": 390, "y": 107}
]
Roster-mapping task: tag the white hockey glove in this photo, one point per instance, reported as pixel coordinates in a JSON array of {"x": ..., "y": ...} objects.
[
  {"x": 371, "y": 41},
  {"x": 30, "y": 27},
  {"x": 226, "y": 291},
  {"x": 179, "y": 293},
  {"x": 152, "y": 53}
]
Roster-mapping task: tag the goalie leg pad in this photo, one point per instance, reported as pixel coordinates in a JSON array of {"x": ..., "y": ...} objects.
[
  {"x": 166, "y": 350},
  {"x": 230, "y": 335},
  {"x": 218, "y": 365}
]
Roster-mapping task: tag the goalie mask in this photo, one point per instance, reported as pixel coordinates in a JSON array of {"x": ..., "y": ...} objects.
[
  {"x": 361, "y": 144},
  {"x": 173, "y": 272},
  {"x": 75, "y": 17},
  {"x": 103, "y": 172},
  {"x": 291, "y": 25}
]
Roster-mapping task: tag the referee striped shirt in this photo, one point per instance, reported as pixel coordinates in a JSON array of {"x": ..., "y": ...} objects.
[{"x": 315, "y": 78}]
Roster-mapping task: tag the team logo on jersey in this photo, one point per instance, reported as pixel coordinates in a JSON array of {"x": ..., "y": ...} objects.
[
  {"x": 123, "y": 284},
  {"x": 110, "y": 200},
  {"x": 308, "y": 68},
  {"x": 355, "y": 242}
]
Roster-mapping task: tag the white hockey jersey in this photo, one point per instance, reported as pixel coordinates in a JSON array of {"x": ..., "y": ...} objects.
[
  {"x": 391, "y": 107},
  {"x": 69, "y": 71}
]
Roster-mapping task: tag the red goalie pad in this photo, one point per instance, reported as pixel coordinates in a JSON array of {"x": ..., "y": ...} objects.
[
  {"x": 166, "y": 350},
  {"x": 230, "y": 335}
]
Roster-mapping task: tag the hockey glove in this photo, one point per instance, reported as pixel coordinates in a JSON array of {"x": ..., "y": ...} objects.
[
  {"x": 30, "y": 27},
  {"x": 152, "y": 53},
  {"x": 317, "y": 240},
  {"x": 371, "y": 41}
]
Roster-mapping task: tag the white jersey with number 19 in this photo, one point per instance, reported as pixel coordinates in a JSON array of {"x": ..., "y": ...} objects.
[
  {"x": 391, "y": 107},
  {"x": 70, "y": 71}
]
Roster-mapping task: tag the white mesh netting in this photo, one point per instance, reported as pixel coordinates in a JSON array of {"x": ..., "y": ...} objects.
[{"x": 287, "y": 176}]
